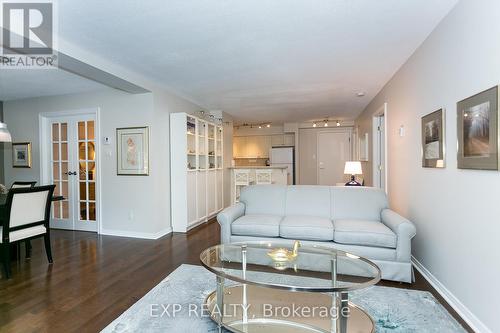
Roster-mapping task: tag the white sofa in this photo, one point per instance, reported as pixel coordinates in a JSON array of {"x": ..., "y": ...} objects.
[{"x": 352, "y": 219}]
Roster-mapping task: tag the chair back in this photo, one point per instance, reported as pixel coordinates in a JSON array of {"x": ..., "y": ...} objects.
[
  {"x": 27, "y": 207},
  {"x": 22, "y": 184}
]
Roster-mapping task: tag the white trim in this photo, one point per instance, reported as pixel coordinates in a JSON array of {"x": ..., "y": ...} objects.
[
  {"x": 135, "y": 234},
  {"x": 381, "y": 111},
  {"x": 451, "y": 299}
]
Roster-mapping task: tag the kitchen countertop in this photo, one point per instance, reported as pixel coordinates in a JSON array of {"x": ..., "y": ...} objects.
[{"x": 258, "y": 167}]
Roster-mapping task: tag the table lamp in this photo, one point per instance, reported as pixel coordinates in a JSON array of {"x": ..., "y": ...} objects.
[{"x": 353, "y": 168}]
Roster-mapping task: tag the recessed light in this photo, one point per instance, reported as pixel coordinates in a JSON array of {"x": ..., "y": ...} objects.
[{"x": 360, "y": 93}]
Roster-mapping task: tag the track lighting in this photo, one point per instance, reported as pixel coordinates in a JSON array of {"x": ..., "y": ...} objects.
[
  {"x": 326, "y": 123},
  {"x": 338, "y": 123},
  {"x": 268, "y": 125},
  {"x": 314, "y": 124}
]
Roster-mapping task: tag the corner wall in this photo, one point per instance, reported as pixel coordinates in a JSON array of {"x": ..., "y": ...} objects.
[
  {"x": 456, "y": 212},
  {"x": 130, "y": 205}
]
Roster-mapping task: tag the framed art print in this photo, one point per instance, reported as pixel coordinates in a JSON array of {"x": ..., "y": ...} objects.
[
  {"x": 478, "y": 132},
  {"x": 132, "y": 151},
  {"x": 433, "y": 145},
  {"x": 21, "y": 154}
]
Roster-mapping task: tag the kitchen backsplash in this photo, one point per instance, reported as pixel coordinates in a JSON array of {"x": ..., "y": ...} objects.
[{"x": 250, "y": 161}]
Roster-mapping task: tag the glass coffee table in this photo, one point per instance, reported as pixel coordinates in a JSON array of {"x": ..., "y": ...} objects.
[{"x": 277, "y": 287}]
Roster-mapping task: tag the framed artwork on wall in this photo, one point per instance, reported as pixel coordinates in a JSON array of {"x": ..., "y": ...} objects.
[
  {"x": 433, "y": 145},
  {"x": 478, "y": 132},
  {"x": 132, "y": 151},
  {"x": 363, "y": 147},
  {"x": 21, "y": 154}
]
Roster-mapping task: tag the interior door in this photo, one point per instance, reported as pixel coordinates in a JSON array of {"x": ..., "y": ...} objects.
[
  {"x": 74, "y": 172},
  {"x": 334, "y": 149}
]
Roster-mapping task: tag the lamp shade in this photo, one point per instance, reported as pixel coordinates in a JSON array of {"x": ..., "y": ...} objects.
[
  {"x": 4, "y": 133},
  {"x": 353, "y": 168}
]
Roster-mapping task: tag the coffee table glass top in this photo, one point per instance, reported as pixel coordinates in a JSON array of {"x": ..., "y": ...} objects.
[{"x": 276, "y": 265}]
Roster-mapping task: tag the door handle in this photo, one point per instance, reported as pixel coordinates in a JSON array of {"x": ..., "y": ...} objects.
[{"x": 71, "y": 173}]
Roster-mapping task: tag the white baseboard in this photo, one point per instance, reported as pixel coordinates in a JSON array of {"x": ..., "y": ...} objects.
[
  {"x": 451, "y": 299},
  {"x": 134, "y": 234}
]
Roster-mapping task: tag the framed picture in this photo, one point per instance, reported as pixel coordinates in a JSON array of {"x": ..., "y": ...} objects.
[
  {"x": 132, "y": 151},
  {"x": 21, "y": 154},
  {"x": 363, "y": 147},
  {"x": 433, "y": 149},
  {"x": 478, "y": 131}
]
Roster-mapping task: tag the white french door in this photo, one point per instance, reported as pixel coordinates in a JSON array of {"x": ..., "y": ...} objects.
[{"x": 73, "y": 169}]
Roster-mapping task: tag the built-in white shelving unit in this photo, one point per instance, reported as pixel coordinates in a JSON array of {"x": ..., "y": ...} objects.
[{"x": 196, "y": 170}]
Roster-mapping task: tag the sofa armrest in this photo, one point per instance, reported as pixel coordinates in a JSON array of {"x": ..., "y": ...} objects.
[
  {"x": 404, "y": 229},
  {"x": 228, "y": 216}
]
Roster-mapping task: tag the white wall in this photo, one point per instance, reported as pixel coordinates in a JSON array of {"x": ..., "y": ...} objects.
[
  {"x": 147, "y": 198},
  {"x": 457, "y": 212}
]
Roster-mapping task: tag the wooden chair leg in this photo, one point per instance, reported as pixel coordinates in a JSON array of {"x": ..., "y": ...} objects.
[
  {"x": 28, "y": 249},
  {"x": 5, "y": 254},
  {"x": 48, "y": 250}
]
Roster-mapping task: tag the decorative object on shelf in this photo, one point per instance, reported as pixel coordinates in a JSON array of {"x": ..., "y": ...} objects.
[
  {"x": 21, "y": 154},
  {"x": 363, "y": 147},
  {"x": 433, "y": 146},
  {"x": 3, "y": 189},
  {"x": 478, "y": 131},
  {"x": 132, "y": 151},
  {"x": 353, "y": 168},
  {"x": 283, "y": 254},
  {"x": 4, "y": 133}
]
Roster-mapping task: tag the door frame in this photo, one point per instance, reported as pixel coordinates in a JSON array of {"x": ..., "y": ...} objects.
[
  {"x": 44, "y": 130},
  {"x": 348, "y": 130},
  {"x": 381, "y": 111}
]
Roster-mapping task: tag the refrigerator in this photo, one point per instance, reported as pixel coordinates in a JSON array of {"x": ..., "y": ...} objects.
[{"x": 284, "y": 156}]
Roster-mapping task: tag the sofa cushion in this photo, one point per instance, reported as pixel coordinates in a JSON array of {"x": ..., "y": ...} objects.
[
  {"x": 264, "y": 199},
  {"x": 306, "y": 228},
  {"x": 257, "y": 225},
  {"x": 363, "y": 232},
  {"x": 307, "y": 200},
  {"x": 357, "y": 203}
]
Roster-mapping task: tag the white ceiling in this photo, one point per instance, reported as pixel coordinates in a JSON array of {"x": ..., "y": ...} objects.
[
  {"x": 25, "y": 83},
  {"x": 273, "y": 60}
]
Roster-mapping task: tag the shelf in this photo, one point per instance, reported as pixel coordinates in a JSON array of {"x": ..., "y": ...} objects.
[
  {"x": 191, "y": 154},
  {"x": 189, "y": 133}
]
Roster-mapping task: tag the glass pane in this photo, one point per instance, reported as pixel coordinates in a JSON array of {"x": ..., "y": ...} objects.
[
  {"x": 64, "y": 170},
  {"x": 55, "y": 132},
  {"x": 90, "y": 130},
  {"x": 92, "y": 171},
  {"x": 91, "y": 151},
  {"x": 83, "y": 211},
  {"x": 56, "y": 210},
  {"x": 91, "y": 191},
  {"x": 55, "y": 152},
  {"x": 64, "y": 188},
  {"x": 64, "y": 132},
  {"x": 81, "y": 151},
  {"x": 83, "y": 191},
  {"x": 82, "y": 171},
  {"x": 65, "y": 209},
  {"x": 57, "y": 190},
  {"x": 92, "y": 211},
  {"x": 64, "y": 151},
  {"x": 81, "y": 130},
  {"x": 55, "y": 171}
]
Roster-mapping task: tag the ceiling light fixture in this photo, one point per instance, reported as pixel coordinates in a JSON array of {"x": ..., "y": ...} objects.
[
  {"x": 360, "y": 94},
  {"x": 268, "y": 125},
  {"x": 326, "y": 123},
  {"x": 260, "y": 126},
  {"x": 338, "y": 123},
  {"x": 314, "y": 124}
]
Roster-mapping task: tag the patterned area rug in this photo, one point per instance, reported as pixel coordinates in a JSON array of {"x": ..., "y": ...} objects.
[{"x": 174, "y": 305}]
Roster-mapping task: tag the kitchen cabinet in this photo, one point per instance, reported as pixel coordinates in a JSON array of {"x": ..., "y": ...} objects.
[{"x": 258, "y": 146}]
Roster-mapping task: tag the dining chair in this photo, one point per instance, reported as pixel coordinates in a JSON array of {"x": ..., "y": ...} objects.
[
  {"x": 25, "y": 216},
  {"x": 17, "y": 184}
]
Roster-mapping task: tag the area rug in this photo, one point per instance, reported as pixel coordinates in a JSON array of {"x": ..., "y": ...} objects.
[{"x": 174, "y": 305}]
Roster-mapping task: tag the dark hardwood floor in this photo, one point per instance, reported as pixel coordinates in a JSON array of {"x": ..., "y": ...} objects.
[{"x": 95, "y": 278}]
